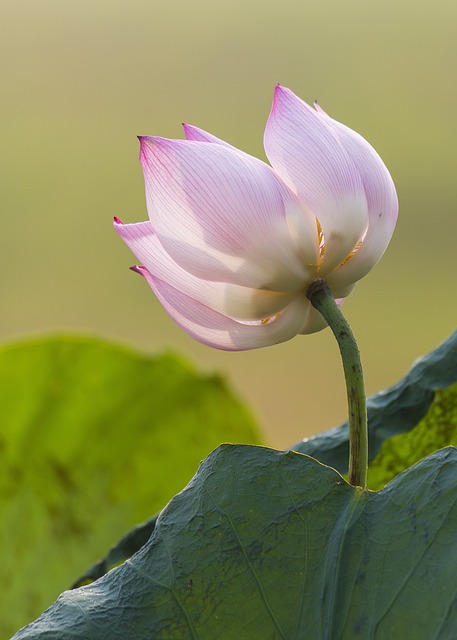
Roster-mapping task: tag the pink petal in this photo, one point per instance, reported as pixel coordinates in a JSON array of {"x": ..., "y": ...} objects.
[
  {"x": 223, "y": 215},
  {"x": 216, "y": 330},
  {"x": 381, "y": 198},
  {"x": 306, "y": 154},
  {"x": 199, "y": 135},
  {"x": 239, "y": 302}
]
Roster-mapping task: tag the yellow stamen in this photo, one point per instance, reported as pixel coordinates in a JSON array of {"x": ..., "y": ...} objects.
[
  {"x": 320, "y": 238},
  {"x": 270, "y": 319},
  {"x": 353, "y": 252}
]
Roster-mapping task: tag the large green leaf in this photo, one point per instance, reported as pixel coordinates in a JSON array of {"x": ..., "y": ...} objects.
[
  {"x": 393, "y": 411},
  {"x": 405, "y": 402},
  {"x": 267, "y": 544},
  {"x": 437, "y": 429},
  {"x": 93, "y": 439}
]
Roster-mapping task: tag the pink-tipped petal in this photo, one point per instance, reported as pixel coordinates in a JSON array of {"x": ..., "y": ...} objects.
[
  {"x": 304, "y": 152},
  {"x": 219, "y": 331},
  {"x": 300, "y": 222},
  {"x": 239, "y": 302},
  {"x": 381, "y": 199},
  {"x": 139, "y": 269},
  {"x": 199, "y": 135},
  {"x": 224, "y": 215}
]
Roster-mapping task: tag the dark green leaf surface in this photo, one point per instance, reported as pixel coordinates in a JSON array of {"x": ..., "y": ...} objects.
[
  {"x": 274, "y": 545},
  {"x": 393, "y": 411},
  {"x": 437, "y": 429},
  {"x": 93, "y": 440}
]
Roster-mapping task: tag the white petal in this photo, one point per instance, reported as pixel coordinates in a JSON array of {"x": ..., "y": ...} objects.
[
  {"x": 223, "y": 215},
  {"x": 306, "y": 154},
  {"x": 315, "y": 321},
  {"x": 219, "y": 331},
  {"x": 340, "y": 292},
  {"x": 239, "y": 302}
]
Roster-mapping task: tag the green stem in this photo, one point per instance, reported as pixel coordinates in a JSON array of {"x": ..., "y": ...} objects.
[{"x": 322, "y": 299}]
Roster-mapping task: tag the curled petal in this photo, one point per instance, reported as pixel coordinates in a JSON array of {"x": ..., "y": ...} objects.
[
  {"x": 224, "y": 215},
  {"x": 342, "y": 291},
  {"x": 242, "y": 303},
  {"x": 218, "y": 331},
  {"x": 381, "y": 200},
  {"x": 309, "y": 158},
  {"x": 315, "y": 321}
]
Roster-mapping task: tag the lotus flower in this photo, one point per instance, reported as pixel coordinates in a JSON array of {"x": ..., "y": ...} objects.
[{"x": 232, "y": 244}]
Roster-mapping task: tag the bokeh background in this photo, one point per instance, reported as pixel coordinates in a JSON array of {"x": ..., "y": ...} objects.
[{"x": 79, "y": 80}]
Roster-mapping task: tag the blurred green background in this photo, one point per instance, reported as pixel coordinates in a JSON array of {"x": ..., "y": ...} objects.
[{"x": 80, "y": 80}]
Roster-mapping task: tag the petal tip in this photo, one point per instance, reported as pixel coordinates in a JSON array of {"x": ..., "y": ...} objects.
[
  {"x": 146, "y": 141},
  {"x": 284, "y": 98},
  {"x": 117, "y": 220},
  {"x": 149, "y": 146},
  {"x": 281, "y": 90},
  {"x": 137, "y": 268},
  {"x": 188, "y": 128},
  {"x": 318, "y": 108},
  {"x": 141, "y": 140},
  {"x": 277, "y": 97},
  {"x": 277, "y": 92}
]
